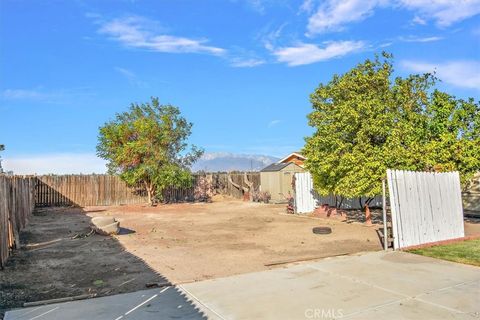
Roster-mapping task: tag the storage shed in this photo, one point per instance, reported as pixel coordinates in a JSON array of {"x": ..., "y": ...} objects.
[{"x": 277, "y": 180}]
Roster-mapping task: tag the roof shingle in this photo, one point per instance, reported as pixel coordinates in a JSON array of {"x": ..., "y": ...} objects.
[{"x": 275, "y": 167}]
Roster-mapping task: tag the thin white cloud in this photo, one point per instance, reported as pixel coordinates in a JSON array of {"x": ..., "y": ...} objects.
[
  {"x": 239, "y": 57},
  {"x": 246, "y": 63},
  {"x": 142, "y": 33},
  {"x": 269, "y": 36},
  {"x": 418, "y": 20},
  {"x": 63, "y": 163},
  {"x": 462, "y": 74},
  {"x": 306, "y": 53},
  {"x": 385, "y": 44},
  {"x": 273, "y": 123},
  {"x": 443, "y": 12},
  {"x": 260, "y": 6},
  {"x": 420, "y": 39},
  {"x": 334, "y": 15},
  {"x": 26, "y": 94},
  {"x": 130, "y": 76},
  {"x": 257, "y": 5},
  {"x": 127, "y": 73},
  {"x": 39, "y": 94},
  {"x": 307, "y": 6}
]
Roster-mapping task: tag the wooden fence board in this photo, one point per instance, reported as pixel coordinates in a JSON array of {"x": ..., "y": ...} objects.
[
  {"x": 16, "y": 205},
  {"x": 104, "y": 190},
  {"x": 84, "y": 190}
]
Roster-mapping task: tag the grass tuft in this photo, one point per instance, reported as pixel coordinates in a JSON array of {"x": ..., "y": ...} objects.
[{"x": 467, "y": 252}]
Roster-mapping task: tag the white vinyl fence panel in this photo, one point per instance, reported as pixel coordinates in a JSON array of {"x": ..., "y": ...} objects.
[
  {"x": 426, "y": 207},
  {"x": 307, "y": 199},
  {"x": 305, "y": 195}
]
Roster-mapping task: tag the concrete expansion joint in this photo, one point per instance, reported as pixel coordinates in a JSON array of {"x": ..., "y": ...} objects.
[
  {"x": 405, "y": 296},
  {"x": 449, "y": 287},
  {"x": 440, "y": 306},
  {"x": 361, "y": 281}
]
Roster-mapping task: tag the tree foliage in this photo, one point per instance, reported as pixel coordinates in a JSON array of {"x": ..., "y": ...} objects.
[
  {"x": 367, "y": 121},
  {"x": 148, "y": 145}
]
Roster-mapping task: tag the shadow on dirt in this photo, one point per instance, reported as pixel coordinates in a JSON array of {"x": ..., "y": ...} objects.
[
  {"x": 472, "y": 216},
  {"x": 124, "y": 231},
  {"x": 60, "y": 257},
  {"x": 358, "y": 215}
]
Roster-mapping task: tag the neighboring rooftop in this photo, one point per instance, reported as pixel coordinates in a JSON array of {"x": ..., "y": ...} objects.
[
  {"x": 298, "y": 155},
  {"x": 275, "y": 167}
]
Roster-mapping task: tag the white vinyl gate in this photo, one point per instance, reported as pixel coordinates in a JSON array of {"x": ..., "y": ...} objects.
[
  {"x": 304, "y": 194},
  {"x": 307, "y": 199},
  {"x": 426, "y": 207}
]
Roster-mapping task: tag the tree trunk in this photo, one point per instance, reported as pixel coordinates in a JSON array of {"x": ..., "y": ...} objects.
[
  {"x": 368, "y": 215},
  {"x": 250, "y": 187},
  {"x": 337, "y": 204},
  {"x": 149, "y": 197},
  {"x": 239, "y": 187},
  {"x": 150, "y": 193}
]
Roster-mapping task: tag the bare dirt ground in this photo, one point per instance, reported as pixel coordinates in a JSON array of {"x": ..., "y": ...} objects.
[
  {"x": 53, "y": 265},
  {"x": 190, "y": 242},
  {"x": 179, "y": 242}
]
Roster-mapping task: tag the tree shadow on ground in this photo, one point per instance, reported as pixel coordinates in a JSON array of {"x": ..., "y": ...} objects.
[
  {"x": 60, "y": 258},
  {"x": 358, "y": 215},
  {"x": 472, "y": 216}
]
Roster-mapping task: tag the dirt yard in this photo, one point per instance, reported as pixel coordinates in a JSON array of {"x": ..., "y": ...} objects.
[
  {"x": 53, "y": 265},
  {"x": 190, "y": 242},
  {"x": 178, "y": 242}
]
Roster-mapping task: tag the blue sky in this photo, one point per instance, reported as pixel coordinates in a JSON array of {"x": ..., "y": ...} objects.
[{"x": 240, "y": 70}]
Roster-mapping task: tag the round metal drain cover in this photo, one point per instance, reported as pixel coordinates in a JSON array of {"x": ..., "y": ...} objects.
[{"x": 322, "y": 230}]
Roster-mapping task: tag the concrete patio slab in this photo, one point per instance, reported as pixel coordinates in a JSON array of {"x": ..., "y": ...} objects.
[
  {"x": 165, "y": 303},
  {"x": 410, "y": 309},
  {"x": 379, "y": 285},
  {"x": 401, "y": 272},
  {"x": 285, "y": 293},
  {"x": 467, "y": 297}
]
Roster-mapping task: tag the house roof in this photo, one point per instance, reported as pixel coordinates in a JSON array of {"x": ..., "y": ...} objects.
[
  {"x": 274, "y": 167},
  {"x": 297, "y": 154}
]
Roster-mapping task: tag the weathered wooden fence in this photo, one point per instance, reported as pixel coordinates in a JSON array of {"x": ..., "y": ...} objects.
[
  {"x": 426, "y": 207},
  {"x": 16, "y": 205},
  {"x": 216, "y": 183},
  {"x": 471, "y": 196},
  {"x": 99, "y": 190},
  {"x": 84, "y": 190},
  {"x": 306, "y": 199}
]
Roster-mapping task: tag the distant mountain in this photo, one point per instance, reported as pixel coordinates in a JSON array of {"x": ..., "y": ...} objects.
[{"x": 224, "y": 161}]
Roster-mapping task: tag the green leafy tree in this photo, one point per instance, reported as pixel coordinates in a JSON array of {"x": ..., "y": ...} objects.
[
  {"x": 453, "y": 135},
  {"x": 148, "y": 146},
  {"x": 367, "y": 121}
]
